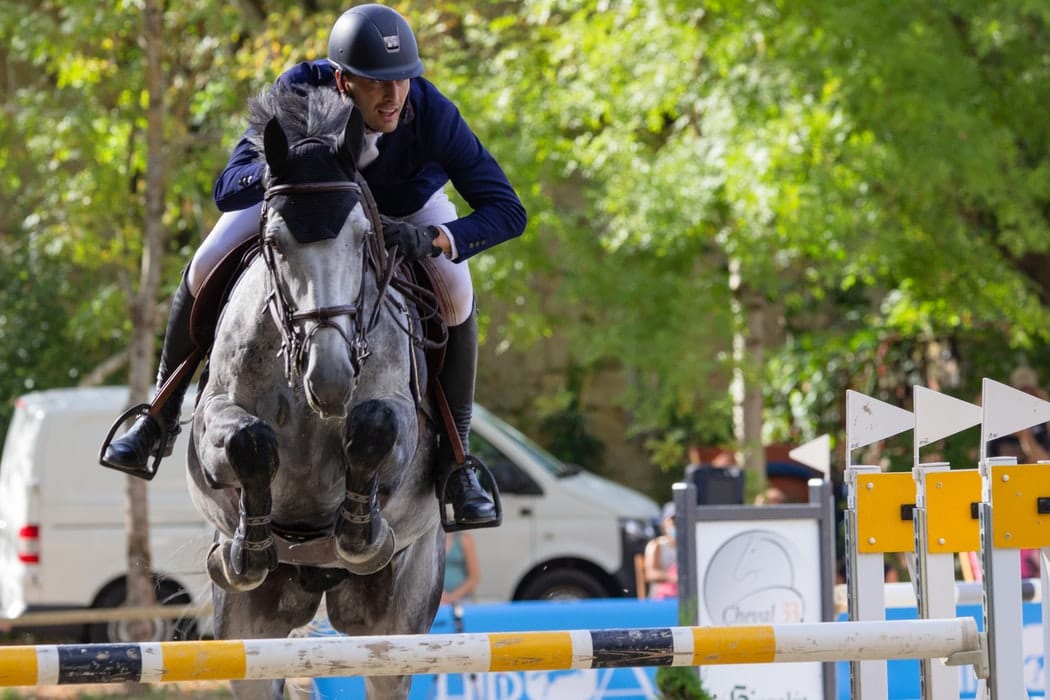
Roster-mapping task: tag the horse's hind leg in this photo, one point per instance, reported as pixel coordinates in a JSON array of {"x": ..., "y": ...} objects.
[
  {"x": 401, "y": 599},
  {"x": 270, "y": 611},
  {"x": 241, "y": 443}
]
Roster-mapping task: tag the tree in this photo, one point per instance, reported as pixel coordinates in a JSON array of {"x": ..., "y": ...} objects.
[
  {"x": 813, "y": 149},
  {"x": 116, "y": 75},
  {"x": 865, "y": 190}
]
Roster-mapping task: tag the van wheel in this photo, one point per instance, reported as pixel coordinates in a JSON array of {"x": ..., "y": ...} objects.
[
  {"x": 563, "y": 584},
  {"x": 160, "y": 630}
]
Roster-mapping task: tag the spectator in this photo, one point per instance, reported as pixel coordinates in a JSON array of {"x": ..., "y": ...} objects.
[
  {"x": 718, "y": 482},
  {"x": 1029, "y": 563},
  {"x": 695, "y": 461},
  {"x": 661, "y": 559},
  {"x": 462, "y": 573}
]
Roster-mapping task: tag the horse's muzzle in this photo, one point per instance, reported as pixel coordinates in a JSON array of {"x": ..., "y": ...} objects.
[{"x": 328, "y": 381}]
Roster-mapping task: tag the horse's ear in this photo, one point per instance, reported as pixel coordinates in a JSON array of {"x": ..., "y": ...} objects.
[
  {"x": 354, "y": 137},
  {"x": 275, "y": 145}
]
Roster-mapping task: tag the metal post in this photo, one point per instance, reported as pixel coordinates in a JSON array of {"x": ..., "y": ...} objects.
[
  {"x": 864, "y": 585},
  {"x": 935, "y": 575},
  {"x": 1002, "y": 598}
]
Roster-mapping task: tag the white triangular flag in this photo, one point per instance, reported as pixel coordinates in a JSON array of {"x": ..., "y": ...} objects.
[
  {"x": 816, "y": 453},
  {"x": 938, "y": 415},
  {"x": 1007, "y": 410},
  {"x": 869, "y": 420}
]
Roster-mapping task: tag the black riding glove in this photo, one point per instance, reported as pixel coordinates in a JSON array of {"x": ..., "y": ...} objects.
[{"x": 414, "y": 242}]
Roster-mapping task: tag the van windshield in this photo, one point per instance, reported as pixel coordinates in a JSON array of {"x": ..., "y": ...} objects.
[{"x": 544, "y": 458}]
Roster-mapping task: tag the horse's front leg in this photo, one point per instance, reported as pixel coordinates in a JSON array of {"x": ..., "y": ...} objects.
[
  {"x": 241, "y": 448},
  {"x": 378, "y": 432}
]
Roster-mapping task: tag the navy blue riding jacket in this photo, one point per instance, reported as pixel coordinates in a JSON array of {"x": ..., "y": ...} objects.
[{"x": 431, "y": 146}]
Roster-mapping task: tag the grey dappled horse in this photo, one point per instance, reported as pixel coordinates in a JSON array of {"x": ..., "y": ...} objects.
[{"x": 309, "y": 452}]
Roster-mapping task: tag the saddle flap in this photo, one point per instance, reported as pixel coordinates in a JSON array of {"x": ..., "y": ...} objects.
[{"x": 212, "y": 296}]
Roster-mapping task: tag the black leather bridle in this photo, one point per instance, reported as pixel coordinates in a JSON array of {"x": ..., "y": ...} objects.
[{"x": 292, "y": 322}]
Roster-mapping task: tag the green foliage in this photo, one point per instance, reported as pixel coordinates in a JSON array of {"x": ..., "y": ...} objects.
[
  {"x": 757, "y": 133},
  {"x": 41, "y": 322},
  {"x": 879, "y": 179},
  {"x": 680, "y": 683},
  {"x": 563, "y": 428}
]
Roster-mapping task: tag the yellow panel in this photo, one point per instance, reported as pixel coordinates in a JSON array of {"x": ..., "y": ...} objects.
[
  {"x": 1016, "y": 522},
  {"x": 950, "y": 525},
  {"x": 880, "y": 498}
]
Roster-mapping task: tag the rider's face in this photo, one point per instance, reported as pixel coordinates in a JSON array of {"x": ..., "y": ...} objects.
[{"x": 380, "y": 101}]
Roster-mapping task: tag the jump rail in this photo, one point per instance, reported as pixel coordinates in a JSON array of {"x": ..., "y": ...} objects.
[{"x": 155, "y": 662}]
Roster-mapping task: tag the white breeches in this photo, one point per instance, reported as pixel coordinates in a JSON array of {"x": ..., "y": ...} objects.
[{"x": 451, "y": 281}]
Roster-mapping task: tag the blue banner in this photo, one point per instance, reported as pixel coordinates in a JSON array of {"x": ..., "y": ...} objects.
[{"x": 904, "y": 675}]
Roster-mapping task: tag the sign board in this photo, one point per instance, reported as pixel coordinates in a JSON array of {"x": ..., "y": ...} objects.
[{"x": 758, "y": 565}]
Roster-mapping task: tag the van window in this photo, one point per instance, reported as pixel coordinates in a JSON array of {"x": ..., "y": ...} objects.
[
  {"x": 542, "y": 457},
  {"x": 508, "y": 475}
]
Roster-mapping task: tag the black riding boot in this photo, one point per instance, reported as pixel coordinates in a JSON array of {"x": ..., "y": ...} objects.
[
  {"x": 132, "y": 451},
  {"x": 471, "y": 505}
]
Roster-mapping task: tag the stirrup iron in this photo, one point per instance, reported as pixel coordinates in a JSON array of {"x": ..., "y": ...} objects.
[
  {"x": 150, "y": 470},
  {"x": 448, "y": 516}
]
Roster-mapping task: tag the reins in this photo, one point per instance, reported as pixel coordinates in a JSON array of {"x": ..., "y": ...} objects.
[
  {"x": 425, "y": 300},
  {"x": 290, "y": 321}
]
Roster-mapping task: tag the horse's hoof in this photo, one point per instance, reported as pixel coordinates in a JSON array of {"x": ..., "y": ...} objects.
[
  {"x": 250, "y": 556},
  {"x": 223, "y": 575},
  {"x": 372, "y": 558}
]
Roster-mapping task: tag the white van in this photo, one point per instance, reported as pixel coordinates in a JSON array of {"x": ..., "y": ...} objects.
[
  {"x": 62, "y": 516},
  {"x": 566, "y": 533}
]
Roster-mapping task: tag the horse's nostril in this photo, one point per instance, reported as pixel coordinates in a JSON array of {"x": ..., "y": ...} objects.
[{"x": 327, "y": 400}]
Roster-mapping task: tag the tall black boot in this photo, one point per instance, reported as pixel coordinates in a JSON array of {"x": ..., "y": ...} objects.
[
  {"x": 471, "y": 505},
  {"x": 132, "y": 451}
]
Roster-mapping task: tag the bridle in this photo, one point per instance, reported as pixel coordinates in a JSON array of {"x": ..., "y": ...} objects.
[{"x": 292, "y": 322}]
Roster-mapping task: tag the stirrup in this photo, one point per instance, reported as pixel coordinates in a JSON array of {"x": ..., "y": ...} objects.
[
  {"x": 150, "y": 470},
  {"x": 448, "y": 516}
]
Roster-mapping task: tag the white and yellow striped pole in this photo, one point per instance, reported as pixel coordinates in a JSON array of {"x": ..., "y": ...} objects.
[{"x": 161, "y": 662}]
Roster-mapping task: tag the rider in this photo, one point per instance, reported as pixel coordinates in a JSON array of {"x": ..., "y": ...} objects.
[{"x": 415, "y": 142}]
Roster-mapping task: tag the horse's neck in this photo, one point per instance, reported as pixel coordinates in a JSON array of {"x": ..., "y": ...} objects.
[{"x": 244, "y": 314}]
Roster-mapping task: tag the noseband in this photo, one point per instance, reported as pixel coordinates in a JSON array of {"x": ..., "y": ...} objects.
[{"x": 295, "y": 338}]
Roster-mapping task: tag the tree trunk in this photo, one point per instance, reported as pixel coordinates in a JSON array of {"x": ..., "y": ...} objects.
[
  {"x": 749, "y": 339},
  {"x": 144, "y": 311}
]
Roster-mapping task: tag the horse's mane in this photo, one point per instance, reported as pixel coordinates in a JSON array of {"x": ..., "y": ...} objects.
[{"x": 303, "y": 111}]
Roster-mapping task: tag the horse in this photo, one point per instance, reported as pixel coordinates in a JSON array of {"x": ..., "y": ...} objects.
[{"x": 312, "y": 450}]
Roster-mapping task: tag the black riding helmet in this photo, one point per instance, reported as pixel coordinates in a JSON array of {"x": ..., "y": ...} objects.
[{"x": 376, "y": 42}]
